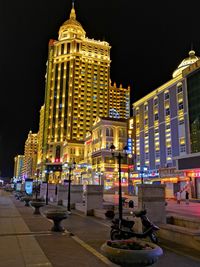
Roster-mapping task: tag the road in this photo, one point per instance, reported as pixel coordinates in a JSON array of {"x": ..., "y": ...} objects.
[{"x": 94, "y": 232}]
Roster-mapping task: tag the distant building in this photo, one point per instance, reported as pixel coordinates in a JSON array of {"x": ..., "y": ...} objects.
[
  {"x": 40, "y": 140},
  {"x": 18, "y": 165},
  {"x": 119, "y": 102},
  {"x": 30, "y": 156}
]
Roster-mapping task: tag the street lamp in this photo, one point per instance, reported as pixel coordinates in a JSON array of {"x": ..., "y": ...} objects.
[
  {"x": 119, "y": 157},
  {"x": 71, "y": 166}
]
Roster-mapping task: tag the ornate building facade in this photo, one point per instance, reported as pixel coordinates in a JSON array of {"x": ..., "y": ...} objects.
[{"x": 77, "y": 88}]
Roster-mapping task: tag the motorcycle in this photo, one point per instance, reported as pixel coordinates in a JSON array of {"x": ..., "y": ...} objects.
[{"x": 123, "y": 229}]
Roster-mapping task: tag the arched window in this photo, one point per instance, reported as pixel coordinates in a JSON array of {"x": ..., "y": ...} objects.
[
  {"x": 111, "y": 132},
  {"x": 107, "y": 131}
]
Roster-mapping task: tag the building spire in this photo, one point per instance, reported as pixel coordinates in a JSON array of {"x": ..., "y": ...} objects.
[{"x": 73, "y": 13}]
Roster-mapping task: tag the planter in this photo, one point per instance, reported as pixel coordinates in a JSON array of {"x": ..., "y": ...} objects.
[
  {"x": 142, "y": 253},
  {"x": 37, "y": 205},
  {"x": 56, "y": 216},
  {"x": 26, "y": 199}
]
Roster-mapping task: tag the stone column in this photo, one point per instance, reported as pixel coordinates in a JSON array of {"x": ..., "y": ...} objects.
[
  {"x": 93, "y": 198},
  {"x": 76, "y": 194},
  {"x": 62, "y": 193},
  {"x": 43, "y": 189},
  {"x": 152, "y": 198},
  {"x": 52, "y": 192}
]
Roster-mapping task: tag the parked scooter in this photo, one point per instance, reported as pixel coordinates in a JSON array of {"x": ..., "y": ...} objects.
[{"x": 123, "y": 229}]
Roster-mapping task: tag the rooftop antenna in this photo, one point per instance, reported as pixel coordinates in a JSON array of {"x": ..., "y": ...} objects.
[{"x": 73, "y": 3}]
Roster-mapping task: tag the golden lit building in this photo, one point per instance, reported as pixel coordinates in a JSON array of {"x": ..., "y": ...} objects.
[
  {"x": 30, "y": 156},
  {"x": 105, "y": 132},
  {"x": 119, "y": 102},
  {"x": 40, "y": 138},
  {"x": 18, "y": 165},
  {"x": 77, "y": 88}
]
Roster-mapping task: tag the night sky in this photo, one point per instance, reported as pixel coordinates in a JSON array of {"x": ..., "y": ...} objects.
[{"x": 148, "y": 38}]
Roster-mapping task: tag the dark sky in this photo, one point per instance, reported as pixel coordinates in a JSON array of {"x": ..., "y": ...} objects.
[{"x": 148, "y": 39}]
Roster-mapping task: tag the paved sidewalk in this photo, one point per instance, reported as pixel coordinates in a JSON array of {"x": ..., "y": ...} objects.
[
  {"x": 26, "y": 240},
  {"x": 18, "y": 246}
]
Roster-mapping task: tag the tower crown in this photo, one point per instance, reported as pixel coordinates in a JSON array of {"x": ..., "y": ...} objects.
[
  {"x": 71, "y": 28},
  {"x": 185, "y": 63}
]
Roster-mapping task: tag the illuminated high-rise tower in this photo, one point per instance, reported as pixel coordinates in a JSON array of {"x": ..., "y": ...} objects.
[
  {"x": 30, "y": 156},
  {"x": 77, "y": 87}
]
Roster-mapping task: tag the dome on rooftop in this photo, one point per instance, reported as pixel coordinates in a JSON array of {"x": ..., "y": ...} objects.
[
  {"x": 71, "y": 27},
  {"x": 185, "y": 63}
]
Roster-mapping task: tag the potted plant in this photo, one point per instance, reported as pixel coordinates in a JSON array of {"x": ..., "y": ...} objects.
[
  {"x": 56, "y": 215},
  {"x": 127, "y": 253},
  {"x": 26, "y": 199},
  {"x": 37, "y": 204}
]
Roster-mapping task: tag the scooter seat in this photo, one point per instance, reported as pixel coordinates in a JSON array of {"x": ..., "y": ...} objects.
[
  {"x": 140, "y": 213},
  {"x": 124, "y": 223}
]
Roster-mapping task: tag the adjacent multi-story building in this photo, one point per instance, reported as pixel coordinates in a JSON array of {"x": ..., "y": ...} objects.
[
  {"x": 18, "y": 165},
  {"x": 166, "y": 121},
  {"x": 190, "y": 163},
  {"x": 77, "y": 87},
  {"x": 119, "y": 102},
  {"x": 30, "y": 156}
]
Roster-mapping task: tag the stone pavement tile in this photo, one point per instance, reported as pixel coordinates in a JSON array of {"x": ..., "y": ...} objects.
[
  {"x": 63, "y": 251},
  {"x": 32, "y": 253},
  {"x": 10, "y": 253}
]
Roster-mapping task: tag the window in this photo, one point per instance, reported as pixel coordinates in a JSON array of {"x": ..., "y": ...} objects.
[
  {"x": 111, "y": 132},
  {"x": 182, "y": 148},
  {"x": 146, "y": 107},
  {"x": 169, "y": 151},
  {"x": 180, "y": 105},
  {"x": 146, "y": 156},
  {"x": 137, "y": 111},
  {"x": 167, "y": 112},
  {"x": 156, "y": 116},
  {"x": 167, "y": 126},
  {"x": 145, "y": 121},
  {"x": 166, "y": 95},
  {"x": 181, "y": 121},
  {"x": 155, "y": 101},
  {"x": 179, "y": 89},
  {"x": 157, "y": 153}
]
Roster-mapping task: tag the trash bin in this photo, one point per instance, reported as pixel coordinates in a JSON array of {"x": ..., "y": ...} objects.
[{"x": 131, "y": 204}]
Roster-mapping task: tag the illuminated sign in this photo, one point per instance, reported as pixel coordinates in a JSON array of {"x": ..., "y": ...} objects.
[
  {"x": 129, "y": 145},
  {"x": 29, "y": 186}
]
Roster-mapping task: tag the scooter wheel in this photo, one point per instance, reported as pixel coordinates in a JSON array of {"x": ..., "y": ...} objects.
[
  {"x": 115, "y": 235},
  {"x": 154, "y": 238}
]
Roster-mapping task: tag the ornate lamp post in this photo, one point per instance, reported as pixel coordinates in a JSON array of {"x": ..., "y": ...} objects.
[
  {"x": 119, "y": 156},
  {"x": 71, "y": 166}
]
